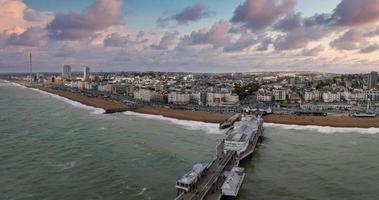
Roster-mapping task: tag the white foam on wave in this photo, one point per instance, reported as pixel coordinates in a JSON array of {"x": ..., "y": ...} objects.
[
  {"x": 211, "y": 128},
  {"x": 141, "y": 192},
  {"x": 71, "y": 102},
  {"x": 325, "y": 129},
  {"x": 9, "y": 83}
]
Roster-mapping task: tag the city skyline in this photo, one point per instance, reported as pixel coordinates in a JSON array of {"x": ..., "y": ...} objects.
[{"x": 193, "y": 36}]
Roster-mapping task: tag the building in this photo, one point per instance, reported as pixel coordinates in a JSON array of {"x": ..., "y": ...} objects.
[
  {"x": 105, "y": 88},
  {"x": 231, "y": 99},
  {"x": 158, "y": 97},
  {"x": 66, "y": 74},
  {"x": 280, "y": 95},
  {"x": 178, "y": 98},
  {"x": 221, "y": 99},
  {"x": 372, "y": 95},
  {"x": 357, "y": 96},
  {"x": 311, "y": 95},
  {"x": 195, "y": 98},
  {"x": 86, "y": 73},
  {"x": 263, "y": 97},
  {"x": 294, "y": 97},
  {"x": 326, "y": 106},
  {"x": 144, "y": 94},
  {"x": 331, "y": 97},
  {"x": 372, "y": 82},
  {"x": 308, "y": 96}
]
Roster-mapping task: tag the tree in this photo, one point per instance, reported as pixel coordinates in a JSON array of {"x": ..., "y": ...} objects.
[{"x": 245, "y": 90}]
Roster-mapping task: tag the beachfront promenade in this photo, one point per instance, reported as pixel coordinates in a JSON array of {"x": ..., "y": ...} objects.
[{"x": 210, "y": 183}]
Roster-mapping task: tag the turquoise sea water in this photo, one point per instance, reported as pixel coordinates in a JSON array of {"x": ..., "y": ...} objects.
[{"x": 51, "y": 148}]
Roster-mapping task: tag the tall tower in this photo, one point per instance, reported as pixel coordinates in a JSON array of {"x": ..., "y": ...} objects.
[
  {"x": 66, "y": 74},
  {"x": 372, "y": 80},
  {"x": 86, "y": 73},
  {"x": 30, "y": 65}
]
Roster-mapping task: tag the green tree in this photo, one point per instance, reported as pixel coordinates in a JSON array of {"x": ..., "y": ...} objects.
[{"x": 245, "y": 90}]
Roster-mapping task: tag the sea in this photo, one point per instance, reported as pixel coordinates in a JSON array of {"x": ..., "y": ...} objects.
[{"x": 52, "y": 148}]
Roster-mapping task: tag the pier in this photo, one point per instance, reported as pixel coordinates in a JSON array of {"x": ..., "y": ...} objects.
[
  {"x": 230, "y": 121},
  {"x": 223, "y": 177}
]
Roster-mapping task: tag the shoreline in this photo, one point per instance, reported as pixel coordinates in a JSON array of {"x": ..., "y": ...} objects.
[
  {"x": 97, "y": 102},
  {"x": 111, "y": 106},
  {"x": 207, "y": 117}
]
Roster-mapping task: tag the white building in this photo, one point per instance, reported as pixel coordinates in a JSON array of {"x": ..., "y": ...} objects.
[
  {"x": 105, "y": 88},
  {"x": 308, "y": 96},
  {"x": 357, "y": 96},
  {"x": 373, "y": 95},
  {"x": 331, "y": 97},
  {"x": 264, "y": 97},
  {"x": 280, "y": 95},
  {"x": 143, "y": 94},
  {"x": 178, "y": 98}
]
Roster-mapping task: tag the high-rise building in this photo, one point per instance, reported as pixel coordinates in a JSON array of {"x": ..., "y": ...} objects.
[
  {"x": 66, "y": 74},
  {"x": 86, "y": 73},
  {"x": 372, "y": 82}
]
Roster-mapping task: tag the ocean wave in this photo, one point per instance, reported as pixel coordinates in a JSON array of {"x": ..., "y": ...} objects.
[
  {"x": 73, "y": 103},
  {"x": 325, "y": 129},
  {"x": 5, "y": 83},
  {"x": 211, "y": 128},
  {"x": 66, "y": 165},
  {"x": 141, "y": 192}
]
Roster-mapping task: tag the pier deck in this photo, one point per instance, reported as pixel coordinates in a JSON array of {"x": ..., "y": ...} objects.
[{"x": 209, "y": 184}]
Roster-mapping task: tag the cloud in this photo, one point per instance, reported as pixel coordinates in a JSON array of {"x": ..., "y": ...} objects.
[
  {"x": 74, "y": 26},
  {"x": 189, "y": 14},
  {"x": 288, "y": 23},
  {"x": 16, "y": 17},
  {"x": 259, "y": 14},
  {"x": 192, "y": 13},
  {"x": 370, "y": 48},
  {"x": 265, "y": 43},
  {"x": 313, "y": 51},
  {"x": 246, "y": 40},
  {"x": 356, "y": 12},
  {"x": 323, "y": 19},
  {"x": 216, "y": 36},
  {"x": 31, "y": 37},
  {"x": 300, "y": 37},
  {"x": 350, "y": 40},
  {"x": 163, "y": 21},
  {"x": 117, "y": 40},
  {"x": 167, "y": 40}
]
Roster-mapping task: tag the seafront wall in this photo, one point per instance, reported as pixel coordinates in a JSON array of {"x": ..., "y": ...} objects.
[{"x": 333, "y": 121}]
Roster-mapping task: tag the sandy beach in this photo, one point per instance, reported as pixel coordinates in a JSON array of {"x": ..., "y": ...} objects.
[
  {"x": 332, "y": 121},
  {"x": 185, "y": 114},
  {"x": 108, "y": 105}
]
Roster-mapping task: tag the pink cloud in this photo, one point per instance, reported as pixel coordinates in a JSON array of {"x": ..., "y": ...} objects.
[
  {"x": 259, "y": 14},
  {"x": 73, "y": 26},
  {"x": 215, "y": 36},
  {"x": 357, "y": 12}
]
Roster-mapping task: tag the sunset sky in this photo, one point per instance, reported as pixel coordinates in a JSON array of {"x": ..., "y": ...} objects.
[{"x": 197, "y": 36}]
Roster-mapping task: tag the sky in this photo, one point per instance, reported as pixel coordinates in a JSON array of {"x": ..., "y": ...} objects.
[{"x": 190, "y": 35}]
